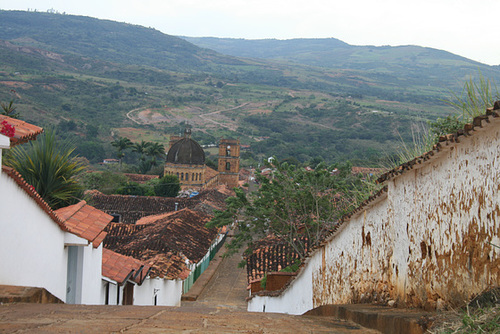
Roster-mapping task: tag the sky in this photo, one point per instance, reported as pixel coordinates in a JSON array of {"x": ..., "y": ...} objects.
[{"x": 468, "y": 28}]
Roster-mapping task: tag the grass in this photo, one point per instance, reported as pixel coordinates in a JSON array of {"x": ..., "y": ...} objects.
[
  {"x": 475, "y": 320},
  {"x": 481, "y": 315},
  {"x": 475, "y": 97}
]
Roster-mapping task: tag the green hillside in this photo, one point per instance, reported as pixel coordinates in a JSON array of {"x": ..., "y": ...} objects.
[
  {"x": 408, "y": 65},
  {"x": 95, "y": 80}
]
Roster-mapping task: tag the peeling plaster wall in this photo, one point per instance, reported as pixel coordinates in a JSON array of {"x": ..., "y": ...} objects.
[
  {"x": 428, "y": 241},
  {"x": 357, "y": 260}
]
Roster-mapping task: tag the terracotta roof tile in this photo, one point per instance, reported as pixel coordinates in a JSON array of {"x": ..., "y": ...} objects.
[
  {"x": 133, "y": 208},
  {"x": 85, "y": 221},
  {"x": 271, "y": 254},
  {"x": 30, "y": 190},
  {"x": 119, "y": 267},
  {"x": 210, "y": 173},
  {"x": 24, "y": 131},
  {"x": 165, "y": 241}
]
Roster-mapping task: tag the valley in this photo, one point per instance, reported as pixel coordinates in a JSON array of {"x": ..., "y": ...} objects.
[{"x": 299, "y": 99}]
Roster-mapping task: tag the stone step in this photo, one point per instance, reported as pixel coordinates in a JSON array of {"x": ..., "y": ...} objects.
[
  {"x": 24, "y": 294},
  {"x": 385, "y": 319}
]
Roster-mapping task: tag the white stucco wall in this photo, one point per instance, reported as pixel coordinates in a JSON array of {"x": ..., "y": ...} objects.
[
  {"x": 427, "y": 242},
  {"x": 298, "y": 297},
  {"x": 91, "y": 279},
  {"x": 114, "y": 290},
  {"x": 32, "y": 251},
  {"x": 168, "y": 292}
]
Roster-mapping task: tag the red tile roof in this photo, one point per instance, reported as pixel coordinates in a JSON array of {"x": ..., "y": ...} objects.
[
  {"x": 165, "y": 264},
  {"x": 85, "y": 221},
  {"x": 120, "y": 268},
  {"x": 12, "y": 173},
  {"x": 24, "y": 131},
  {"x": 181, "y": 231},
  {"x": 210, "y": 173},
  {"x": 271, "y": 254},
  {"x": 165, "y": 241},
  {"x": 133, "y": 208}
]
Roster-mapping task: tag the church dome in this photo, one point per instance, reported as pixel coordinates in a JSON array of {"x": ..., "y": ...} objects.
[{"x": 186, "y": 151}]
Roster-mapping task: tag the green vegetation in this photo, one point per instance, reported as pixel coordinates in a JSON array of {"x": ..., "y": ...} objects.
[
  {"x": 48, "y": 165},
  {"x": 481, "y": 315},
  {"x": 99, "y": 80},
  {"x": 167, "y": 186},
  {"x": 109, "y": 183},
  {"x": 315, "y": 201},
  {"x": 475, "y": 98}
]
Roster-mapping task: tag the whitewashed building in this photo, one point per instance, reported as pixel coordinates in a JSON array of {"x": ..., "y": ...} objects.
[{"x": 60, "y": 252}]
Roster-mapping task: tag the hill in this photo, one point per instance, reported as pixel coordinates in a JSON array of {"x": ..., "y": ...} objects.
[
  {"x": 95, "y": 80},
  {"x": 409, "y": 65}
]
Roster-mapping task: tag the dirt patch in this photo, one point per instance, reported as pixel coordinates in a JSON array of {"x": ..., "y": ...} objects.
[
  {"x": 16, "y": 84},
  {"x": 149, "y": 116}
]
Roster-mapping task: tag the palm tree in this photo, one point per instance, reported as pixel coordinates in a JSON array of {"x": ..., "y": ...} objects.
[
  {"x": 50, "y": 168},
  {"x": 155, "y": 150},
  {"x": 121, "y": 145},
  {"x": 141, "y": 149}
]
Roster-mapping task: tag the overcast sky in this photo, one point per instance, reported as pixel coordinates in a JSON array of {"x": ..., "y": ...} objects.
[{"x": 469, "y": 28}]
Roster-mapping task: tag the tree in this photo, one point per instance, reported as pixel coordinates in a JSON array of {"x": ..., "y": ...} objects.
[
  {"x": 167, "y": 186},
  {"x": 155, "y": 150},
  {"x": 106, "y": 182},
  {"x": 50, "y": 168},
  {"x": 294, "y": 205},
  {"x": 9, "y": 109},
  {"x": 141, "y": 149},
  {"x": 121, "y": 145}
]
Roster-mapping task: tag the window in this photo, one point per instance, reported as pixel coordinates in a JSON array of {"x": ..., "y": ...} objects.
[
  {"x": 228, "y": 166},
  {"x": 228, "y": 151},
  {"x": 187, "y": 176}
]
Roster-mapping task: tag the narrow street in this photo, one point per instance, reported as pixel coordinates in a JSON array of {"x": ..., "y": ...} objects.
[{"x": 227, "y": 288}]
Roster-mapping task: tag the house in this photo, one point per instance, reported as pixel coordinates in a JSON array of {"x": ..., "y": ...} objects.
[
  {"x": 176, "y": 245},
  {"x": 120, "y": 274},
  {"x": 85, "y": 253},
  {"x": 59, "y": 251},
  {"x": 269, "y": 257},
  {"x": 428, "y": 239},
  {"x": 32, "y": 242}
]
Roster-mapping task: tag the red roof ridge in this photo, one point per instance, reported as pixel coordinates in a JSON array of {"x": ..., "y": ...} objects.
[
  {"x": 120, "y": 267},
  {"x": 69, "y": 211},
  {"x": 24, "y": 131},
  {"x": 30, "y": 190},
  {"x": 150, "y": 218},
  {"x": 85, "y": 221}
]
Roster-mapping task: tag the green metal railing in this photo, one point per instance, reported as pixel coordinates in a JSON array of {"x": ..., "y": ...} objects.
[{"x": 203, "y": 264}]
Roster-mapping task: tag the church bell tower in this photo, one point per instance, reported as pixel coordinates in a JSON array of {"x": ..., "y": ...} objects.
[{"x": 229, "y": 162}]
